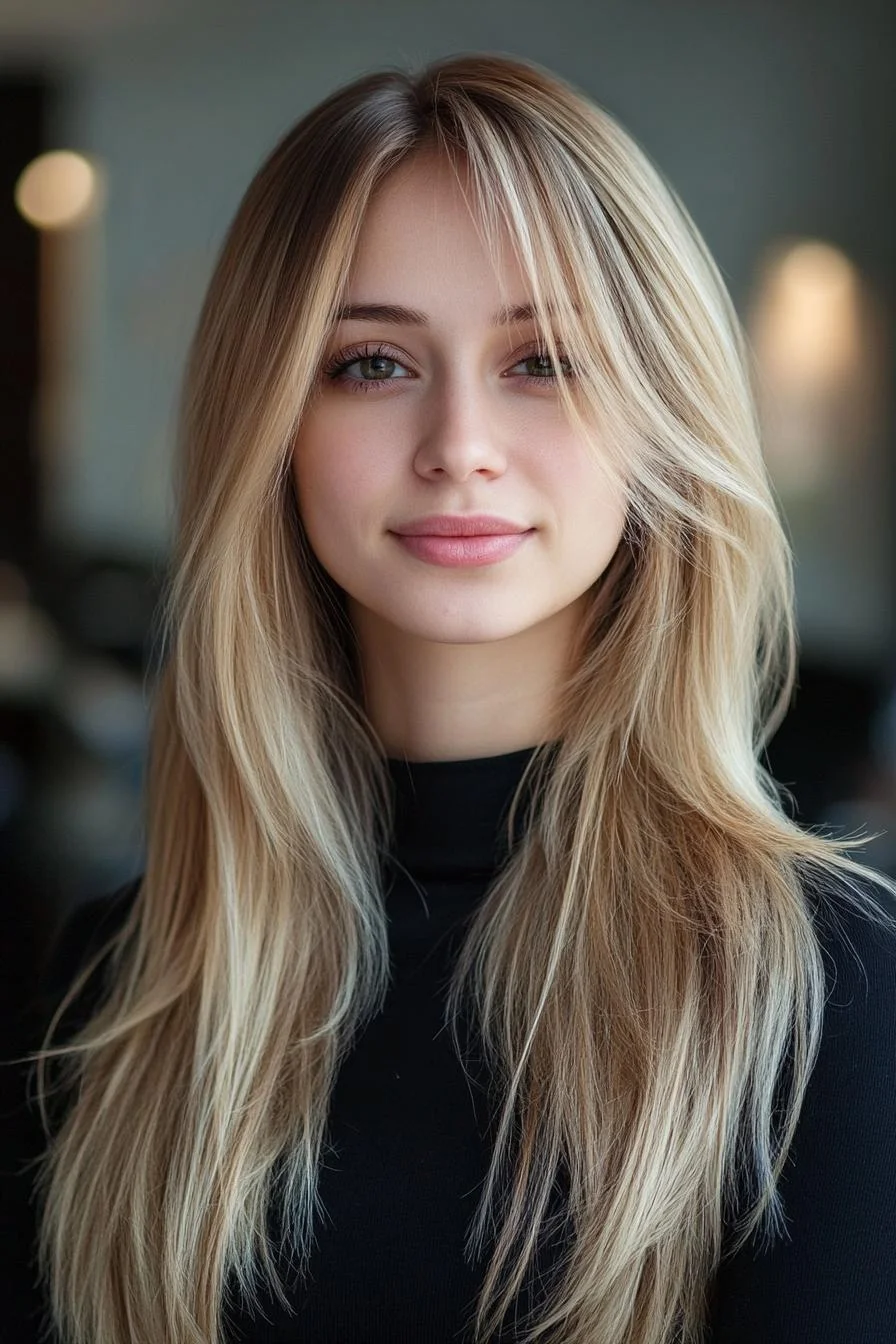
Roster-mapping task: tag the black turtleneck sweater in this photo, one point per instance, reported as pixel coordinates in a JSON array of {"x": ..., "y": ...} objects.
[{"x": 410, "y": 1130}]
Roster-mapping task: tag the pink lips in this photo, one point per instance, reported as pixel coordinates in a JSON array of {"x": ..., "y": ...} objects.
[
  {"x": 456, "y": 539},
  {"x": 452, "y": 551},
  {"x": 462, "y": 539}
]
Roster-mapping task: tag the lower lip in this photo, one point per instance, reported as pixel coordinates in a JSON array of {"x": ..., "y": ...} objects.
[{"x": 457, "y": 551}]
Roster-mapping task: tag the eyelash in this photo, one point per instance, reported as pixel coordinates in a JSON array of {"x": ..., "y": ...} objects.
[{"x": 344, "y": 360}]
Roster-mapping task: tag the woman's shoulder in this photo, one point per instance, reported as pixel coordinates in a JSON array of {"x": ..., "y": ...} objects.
[
  {"x": 84, "y": 931},
  {"x": 858, "y": 945},
  {"x": 843, "y": 1145},
  {"x": 855, "y": 1071},
  {"x": 829, "y": 1273}
]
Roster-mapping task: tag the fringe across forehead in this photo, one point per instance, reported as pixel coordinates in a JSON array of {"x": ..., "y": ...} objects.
[
  {"x": 514, "y": 197},
  {"x": 617, "y": 274}
]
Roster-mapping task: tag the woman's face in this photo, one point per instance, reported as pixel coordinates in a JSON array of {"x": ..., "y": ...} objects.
[{"x": 446, "y": 413}]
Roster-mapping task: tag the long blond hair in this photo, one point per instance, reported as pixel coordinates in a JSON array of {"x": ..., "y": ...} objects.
[{"x": 648, "y": 955}]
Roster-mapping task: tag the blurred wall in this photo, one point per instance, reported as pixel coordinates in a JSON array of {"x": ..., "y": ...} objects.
[{"x": 768, "y": 119}]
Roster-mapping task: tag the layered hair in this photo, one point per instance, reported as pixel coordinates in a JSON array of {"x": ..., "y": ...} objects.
[{"x": 645, "y": 970}]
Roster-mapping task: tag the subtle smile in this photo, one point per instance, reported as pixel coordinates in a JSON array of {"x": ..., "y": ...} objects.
[{"x": 455, "y": 551}]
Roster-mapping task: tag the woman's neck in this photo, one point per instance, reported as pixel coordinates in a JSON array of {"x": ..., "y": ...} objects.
[{"x": 430, "y": 701}]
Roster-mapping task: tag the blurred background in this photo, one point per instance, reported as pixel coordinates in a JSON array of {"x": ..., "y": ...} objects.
[{"x": 128, "y": 132}]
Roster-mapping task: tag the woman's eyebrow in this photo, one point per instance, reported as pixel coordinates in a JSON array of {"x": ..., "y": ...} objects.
[{"x": 413, "y": 317}]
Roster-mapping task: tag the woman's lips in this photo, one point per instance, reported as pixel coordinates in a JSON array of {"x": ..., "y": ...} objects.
[{"x": 456, "y": 551}]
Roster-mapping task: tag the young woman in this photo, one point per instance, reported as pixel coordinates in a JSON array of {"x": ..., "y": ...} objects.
[{"x": 478, "y": 984}]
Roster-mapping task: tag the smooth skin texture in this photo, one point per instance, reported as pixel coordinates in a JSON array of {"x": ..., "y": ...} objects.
[{"x": 449, "y": 418}]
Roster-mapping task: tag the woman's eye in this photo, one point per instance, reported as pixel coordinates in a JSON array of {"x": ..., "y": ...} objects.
[
  {"x": 377, "y": 366},
  {"x": 376, "y": 363},
  {"x": 542, "y": 360}
]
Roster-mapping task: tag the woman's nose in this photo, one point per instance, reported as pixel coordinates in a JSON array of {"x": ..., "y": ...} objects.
[{"x": 461, "y": 433}]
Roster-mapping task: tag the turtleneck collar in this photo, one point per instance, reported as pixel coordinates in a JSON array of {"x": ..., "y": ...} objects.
[{"x": 450, "y": 816}]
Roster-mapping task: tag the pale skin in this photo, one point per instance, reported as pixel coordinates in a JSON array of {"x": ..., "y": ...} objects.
[{"x": 456, "y": 663}]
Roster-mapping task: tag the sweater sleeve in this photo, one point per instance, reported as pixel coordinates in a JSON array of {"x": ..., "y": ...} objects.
[
  {"x": 831, "y": 1279},
  {"x": 83, "y": 934}
]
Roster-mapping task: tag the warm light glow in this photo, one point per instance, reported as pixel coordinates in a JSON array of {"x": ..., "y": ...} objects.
[
  {"x": 806, "y": 324},
  {"x": 817, "y": 341},
  {"x": 58, "y": 190}
]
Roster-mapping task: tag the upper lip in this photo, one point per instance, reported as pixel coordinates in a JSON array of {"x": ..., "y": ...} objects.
[{"x": 459, "y": 525}]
